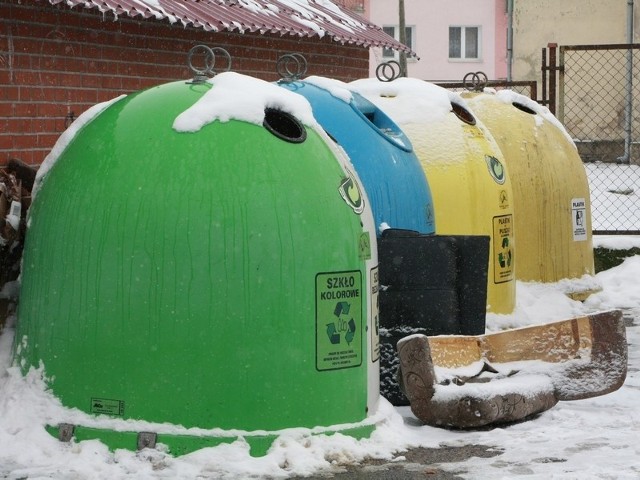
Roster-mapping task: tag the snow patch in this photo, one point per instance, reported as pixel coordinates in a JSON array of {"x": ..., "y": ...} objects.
[
  {"x": 542, "y": 112},
  {"x": 338, "y": 89},
  {"x": 240, "y": 97},
  {"x": 408, "y": 100}
]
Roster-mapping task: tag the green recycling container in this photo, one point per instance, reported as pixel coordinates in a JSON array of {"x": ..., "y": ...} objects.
[{"x": 219, "y": 278}]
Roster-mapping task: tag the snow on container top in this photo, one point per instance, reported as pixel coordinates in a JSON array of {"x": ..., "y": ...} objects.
[
  {"x": 467, "y": 174},
  {"x": 380, "y": 152},
  {"x": 552, "y": 210},
  {"x": 200, "y": 254}
]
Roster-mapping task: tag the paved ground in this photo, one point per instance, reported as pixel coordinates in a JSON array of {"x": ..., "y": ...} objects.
[{"x": 415, "y": 466}]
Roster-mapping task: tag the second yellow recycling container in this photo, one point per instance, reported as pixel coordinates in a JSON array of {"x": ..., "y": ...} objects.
[{"x": 552, "y": 210}]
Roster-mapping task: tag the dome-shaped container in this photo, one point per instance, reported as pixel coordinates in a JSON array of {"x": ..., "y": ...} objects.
[
  {"x": 196, "y": 259},
  {"x": 551, "y": 203},
  {"x": 380, "y": 152},
  {"x": 467, "y": 176}
]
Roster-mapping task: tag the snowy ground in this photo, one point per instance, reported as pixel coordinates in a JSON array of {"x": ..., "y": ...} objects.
[{"x": 596, "y": 438}]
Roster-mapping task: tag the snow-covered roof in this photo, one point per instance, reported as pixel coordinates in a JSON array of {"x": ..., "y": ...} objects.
[{"x": 303, "y": 18}]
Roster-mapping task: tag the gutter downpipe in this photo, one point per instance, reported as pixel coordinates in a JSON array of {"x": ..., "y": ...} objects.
[
  {"x": 628, "y": 107},
  {"x": 510, "y": 38}
]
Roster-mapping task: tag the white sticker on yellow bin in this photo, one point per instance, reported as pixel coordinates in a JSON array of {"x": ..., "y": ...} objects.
[
  {"x": 338, "y": 320},
  {"x": 502, "y": 248},
  {"x": 579, "y": 219}
]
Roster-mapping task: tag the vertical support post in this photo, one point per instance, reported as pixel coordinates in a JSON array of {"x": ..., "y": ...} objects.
[
  {"x": 510, "y": 40},
  {"x": 553, "y": 67},
  {"x": 534, "y": 91},
  {"x": 402, "y": 37},
  {"x": 545, "y": 73},
  {"x": 561, "y": 84},
  {"x": 628, "y": 110},
  {"x": 628, "y": 105}
]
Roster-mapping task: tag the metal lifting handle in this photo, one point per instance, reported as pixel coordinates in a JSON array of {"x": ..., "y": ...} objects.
[
  {"x": 209, "y": 55},
  {"x": 291, "y": 67},
  {"x": 388, "y": 71},
  {"x": 475, "y": 81}
]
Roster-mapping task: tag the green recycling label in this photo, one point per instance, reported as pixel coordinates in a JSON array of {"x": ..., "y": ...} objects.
[{"x": 338, "y": 320}]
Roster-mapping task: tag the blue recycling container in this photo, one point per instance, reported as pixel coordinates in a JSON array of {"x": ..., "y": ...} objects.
[{"x": 380, "y": 152}]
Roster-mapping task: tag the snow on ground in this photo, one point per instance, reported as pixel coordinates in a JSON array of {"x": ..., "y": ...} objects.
[{"x": 595, "y": 438}]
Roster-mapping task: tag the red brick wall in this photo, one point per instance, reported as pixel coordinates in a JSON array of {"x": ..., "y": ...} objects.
[{"x": 55, "y": 62}]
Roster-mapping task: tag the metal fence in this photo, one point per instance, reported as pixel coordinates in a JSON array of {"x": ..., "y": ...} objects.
[{"x": 598, "y": 97}]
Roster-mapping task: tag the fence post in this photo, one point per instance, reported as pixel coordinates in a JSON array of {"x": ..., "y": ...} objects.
[
  {"x": 543, "y": 73},
  {"x": 553, "y": 67}
]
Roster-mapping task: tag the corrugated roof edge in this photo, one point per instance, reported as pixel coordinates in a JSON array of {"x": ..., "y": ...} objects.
[{"x": 304, "y": 18}]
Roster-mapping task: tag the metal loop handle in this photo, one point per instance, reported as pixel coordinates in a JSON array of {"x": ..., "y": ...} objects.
[
  {"x": 291, "y": 66},
  {"x": 388, "y": 71},
  {"x": 209, "y": 54},
  {"x": 225, "y": 54},
  {"x": 475, "y": 81}
]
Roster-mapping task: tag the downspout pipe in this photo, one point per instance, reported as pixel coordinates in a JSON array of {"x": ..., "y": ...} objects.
[
  {"x": 509, "y": 39},
  {"x": 628, "y": 106}
]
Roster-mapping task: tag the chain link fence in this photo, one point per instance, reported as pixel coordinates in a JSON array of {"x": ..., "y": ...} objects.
[{"x": 598, "y": 101}]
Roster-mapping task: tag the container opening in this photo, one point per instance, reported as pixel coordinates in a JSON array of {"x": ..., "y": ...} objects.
[
  {"x": 523, "y": 107},
  {"x": 463, "y": 114},
  {"x": 380, "y": 122},
  {"x": 284, "y": 126}
]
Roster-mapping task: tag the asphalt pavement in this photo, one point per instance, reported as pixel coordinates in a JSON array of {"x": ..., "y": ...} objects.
[{"x": 415, "y": 465}]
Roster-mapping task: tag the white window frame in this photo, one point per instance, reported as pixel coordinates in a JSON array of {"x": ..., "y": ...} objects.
[
  {"x": 463, "y": 54},
  {"x": 387, "y": 53}
]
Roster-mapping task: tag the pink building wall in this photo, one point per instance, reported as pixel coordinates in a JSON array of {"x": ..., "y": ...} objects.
[{"x": 432, "y": 19}]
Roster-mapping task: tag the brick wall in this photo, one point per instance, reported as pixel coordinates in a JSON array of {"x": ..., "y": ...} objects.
[{"x": 55, "y": 62}]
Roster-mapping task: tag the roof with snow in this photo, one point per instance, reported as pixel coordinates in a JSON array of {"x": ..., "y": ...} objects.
[{"x": 304, "y": 18}]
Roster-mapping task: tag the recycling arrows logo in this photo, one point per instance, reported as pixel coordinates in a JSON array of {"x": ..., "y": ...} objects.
[
  {"x": 351, "y": 194},
  {"x": 341, "y": 326}
]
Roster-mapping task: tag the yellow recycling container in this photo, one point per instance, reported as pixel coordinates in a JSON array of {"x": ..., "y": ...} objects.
[
  {"x": 552, "y": 210},
  {"x": 467, "y": 174}
]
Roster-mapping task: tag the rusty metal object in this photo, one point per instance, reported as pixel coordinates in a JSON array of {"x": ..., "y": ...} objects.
[{"x": 528, "y": 370}]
